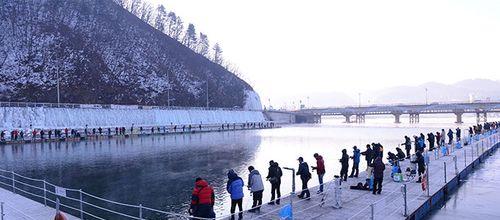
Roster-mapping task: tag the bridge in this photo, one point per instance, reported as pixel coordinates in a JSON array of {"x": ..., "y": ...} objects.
[{"x": 480, "y": 109}]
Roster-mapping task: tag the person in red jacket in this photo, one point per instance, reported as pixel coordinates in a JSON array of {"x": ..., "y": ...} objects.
[
  {"x": 320, "y": 170},
  {"x": 202, "y": 200}
]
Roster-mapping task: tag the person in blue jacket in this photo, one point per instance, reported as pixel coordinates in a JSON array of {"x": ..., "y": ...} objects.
[
  {"x": 356, "y": 154},
  {"x": 235, "y": 188}
]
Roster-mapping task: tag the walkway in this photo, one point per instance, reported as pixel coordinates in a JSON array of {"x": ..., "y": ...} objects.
[
  {"x": 388, "y": 205},
  {"x": 19, "y": 207}
]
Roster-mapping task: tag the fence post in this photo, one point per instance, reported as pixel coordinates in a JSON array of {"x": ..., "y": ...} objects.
[
  {"x": 405, "y": 201},
  {"x": 140, "y": 211},
  {"x": 465, "y": 158},
  {"x": 1, "y": 211},
  {"x": 13, "y": 182},
  {"x": 44, "y": 193},
  {"x": 456, "y": 166},
  {"x": 372, "y": 207},
  {"x": 445, "y": 180},
  {"x": 427, "y": 179},
  {"x": 81, "y": 204}
]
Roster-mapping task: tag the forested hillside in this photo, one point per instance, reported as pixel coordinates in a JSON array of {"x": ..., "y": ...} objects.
[{"x": 102, "y": 53}]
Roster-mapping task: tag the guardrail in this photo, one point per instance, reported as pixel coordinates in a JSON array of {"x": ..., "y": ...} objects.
[
  {"x": 78, "y": 202},
  {"x": 112, "y": 106}
]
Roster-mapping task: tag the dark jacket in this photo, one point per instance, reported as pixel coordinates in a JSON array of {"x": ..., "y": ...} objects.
[
  {"x": 368, "y": 155},
  {"x": 407, "y": 143},
  {"x": 344, "y": 160},
  {"x": 304, "y": 171},
  {"x": 378, "y": 168},
  {"x": 420, "y": 161},
  {"x": 274, "y": 174}
]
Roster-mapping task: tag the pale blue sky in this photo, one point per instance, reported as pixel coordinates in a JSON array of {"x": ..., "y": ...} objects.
[{"x": 294, "y": 48}]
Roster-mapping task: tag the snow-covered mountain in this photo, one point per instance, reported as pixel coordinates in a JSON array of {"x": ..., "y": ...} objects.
[
  {"x": 101, "y": 53},
  {"x": 475, "y": 89}
]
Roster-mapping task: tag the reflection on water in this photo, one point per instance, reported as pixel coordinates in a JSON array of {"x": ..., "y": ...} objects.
[{"x": 159, "y": 171}]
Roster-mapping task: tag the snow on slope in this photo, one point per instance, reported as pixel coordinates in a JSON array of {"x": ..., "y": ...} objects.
[
  {"x": 252, "y": 101},
  {"x": 40, "y": 117}
]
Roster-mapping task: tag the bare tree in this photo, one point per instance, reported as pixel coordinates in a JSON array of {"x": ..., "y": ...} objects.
[
  {"x": 189, "y": 39},
  {"x": 146, "y": 12},
  {"x": 135, "y": 7},
  {"x": 203, "y": 47},
  {"x": 217, "y": 54},
  {"x": 174, "y": 26},
  {"x": 161, "y": 18}
]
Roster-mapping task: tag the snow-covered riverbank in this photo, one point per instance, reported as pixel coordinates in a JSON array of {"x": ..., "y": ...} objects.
[{"x": 44, "y": 117}]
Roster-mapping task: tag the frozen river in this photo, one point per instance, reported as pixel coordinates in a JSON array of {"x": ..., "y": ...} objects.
[
  {"x": 477, "y": 198},
  {"x": 159, "y": 171}
]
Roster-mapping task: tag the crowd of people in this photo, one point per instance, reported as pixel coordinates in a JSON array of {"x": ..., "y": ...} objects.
[
  {"x": 57, "y": 134},
  {"x": 203, "y": 194}
]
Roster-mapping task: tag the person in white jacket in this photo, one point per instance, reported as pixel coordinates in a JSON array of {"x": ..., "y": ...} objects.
[{"x": 256, "y": 187}]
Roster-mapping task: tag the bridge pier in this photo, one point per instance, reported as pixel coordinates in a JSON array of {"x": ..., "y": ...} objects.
[
  {"x": 397, "y": 118},
  {"x": 360, "y": 118},
  {"x": 459, "y": 117},
  {"x": 481, "y": 117},
  {"x": 347, "y": 118},
  {"x": 414, "y": 118}
]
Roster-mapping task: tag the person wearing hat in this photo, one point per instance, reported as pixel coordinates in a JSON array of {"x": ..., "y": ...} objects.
[
  {"x": 305, "y": 176},
  {"x": 274, "y": 177},
  {"x": 320, "y": 170}
]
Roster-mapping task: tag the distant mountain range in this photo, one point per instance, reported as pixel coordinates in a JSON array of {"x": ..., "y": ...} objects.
[
  {"x": 466, "y": 90},
  {"x": 101, "y": 53}
]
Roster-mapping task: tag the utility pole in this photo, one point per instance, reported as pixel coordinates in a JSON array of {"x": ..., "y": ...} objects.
[
  {"x": 58, "y": 93},
  {"x": 359, "y": 99},
  {"x": 207, "y": 90},
  {"x": 168, "y": 90},
  {"x": 426, "y": 97}
]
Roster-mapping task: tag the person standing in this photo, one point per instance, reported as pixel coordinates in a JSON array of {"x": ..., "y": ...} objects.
[
  {"x": 355, "y": 162},
  {"x": 421, "y": 165},
  {"x": 450, "y": 136},
  {"x": 235, "y": 188},
  {"x": 407, "y": 145},
  {"x": 345, "y": 165},
  {"x": 458, "y": 134},
  {"x": 430, "y": 138},
  {"x": 378, "y": 175},
  {"x": 202, "y": 200},
  {"x": 274, "y": 177},
  {"x": 443, "y": 137},
  {"x": 320, "y": 170},
  {"x": 305, "y": 176},
  {"x": 256, "y": 187},
  {"x": 368, "y": 153}
]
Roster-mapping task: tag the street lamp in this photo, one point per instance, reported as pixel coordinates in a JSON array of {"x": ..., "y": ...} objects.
[
  {"x": 359, "y": 99},
  {"x": 426, "y": 97}
]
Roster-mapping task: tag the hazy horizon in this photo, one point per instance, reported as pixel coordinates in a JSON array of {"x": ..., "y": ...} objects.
[{"x": 298, "y": 48}]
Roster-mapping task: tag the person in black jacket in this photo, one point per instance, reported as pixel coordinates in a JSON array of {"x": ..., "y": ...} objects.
[
  {"x": 407, "y": 145},
  {"x": 345, "y": 165},
  {"x": 421, "y": 165},
  {"x": 274, "y": 177},
  {"x": 368, "y": 153},
  {"x": 378, "y": 175},
  {"x": 305, "y": 176},
  {"x": 431, "y": 139}
]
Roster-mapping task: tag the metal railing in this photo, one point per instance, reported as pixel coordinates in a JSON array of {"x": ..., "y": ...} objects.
[
  {"x": 78, "y": 202},
  {"x": 478, "y": 144}
]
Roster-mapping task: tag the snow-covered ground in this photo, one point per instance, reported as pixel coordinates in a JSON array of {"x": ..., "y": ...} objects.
[{"x": 43, "y": 117}]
